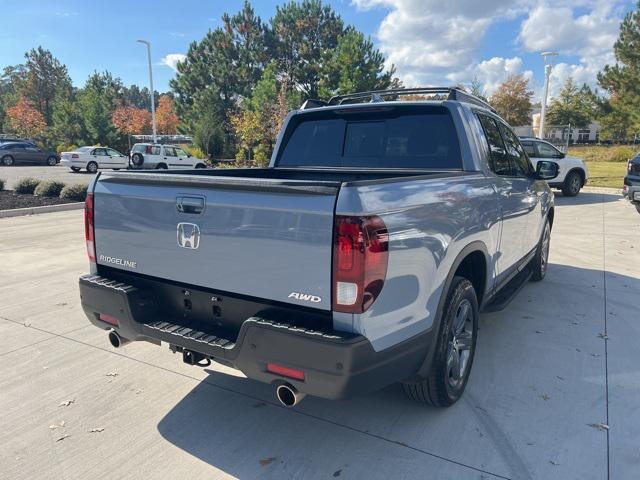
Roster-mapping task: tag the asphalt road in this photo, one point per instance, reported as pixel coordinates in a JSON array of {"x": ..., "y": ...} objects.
[
  {"x": 561, "y": 359},
  {"x": 12, "y": 174}
]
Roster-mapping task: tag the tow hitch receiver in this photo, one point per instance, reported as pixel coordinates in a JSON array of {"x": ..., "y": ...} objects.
[{"x": 195, "y": 358}]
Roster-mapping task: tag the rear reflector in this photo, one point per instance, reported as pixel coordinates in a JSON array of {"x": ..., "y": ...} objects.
[
  {"x": 285, "y": 371},
  {"x": 360, "y": 255},
  {"x": 109, "y": 319},
  {"x": 88, "y": 227}
]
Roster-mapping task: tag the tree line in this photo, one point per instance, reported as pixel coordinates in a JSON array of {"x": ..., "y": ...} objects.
[
  {"x": 236, "y": 85},
  {"x": 38, "y": 101}
]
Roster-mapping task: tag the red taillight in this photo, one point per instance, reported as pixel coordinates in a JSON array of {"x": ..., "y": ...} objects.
[
  {"x": 75, "y": 155},
  {"x": 88, "y": 227},
  {"x": 285, "y": 371},
  {"x": 360, "y": 255},
  {"x": 109, "y": 319}
]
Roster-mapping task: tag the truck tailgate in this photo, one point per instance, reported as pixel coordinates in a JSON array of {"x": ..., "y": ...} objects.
[{"x": 264, "y": 238}]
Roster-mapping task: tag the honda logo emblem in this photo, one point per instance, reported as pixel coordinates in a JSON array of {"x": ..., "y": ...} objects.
[{"x": 188, "y": 235}]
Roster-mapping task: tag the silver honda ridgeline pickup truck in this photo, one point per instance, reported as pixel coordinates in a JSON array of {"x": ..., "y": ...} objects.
[{"x": 360, "y": 257}]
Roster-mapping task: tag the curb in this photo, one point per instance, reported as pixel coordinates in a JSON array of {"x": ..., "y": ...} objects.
[{"x": 18, "y": 212}]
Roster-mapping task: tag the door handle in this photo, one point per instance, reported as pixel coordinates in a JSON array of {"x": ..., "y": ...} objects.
[{"x": 193, "y": 205}]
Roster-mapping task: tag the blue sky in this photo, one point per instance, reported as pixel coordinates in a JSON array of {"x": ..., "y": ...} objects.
[{"x": 429, "y": 41}]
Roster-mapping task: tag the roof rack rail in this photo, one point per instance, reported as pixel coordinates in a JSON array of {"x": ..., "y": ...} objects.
[{"x": 452, "y": 93}]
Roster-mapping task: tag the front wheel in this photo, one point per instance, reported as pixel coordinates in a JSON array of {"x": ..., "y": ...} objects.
[
  {"x": 75, "y": 169},
  {"x": 540, "y": 260},
  {"x": 455, "y": 349},
  {"x": 52, "y": 161},
  {"x": 572, "y": 184},
  {"x": 92, "y": 167}
]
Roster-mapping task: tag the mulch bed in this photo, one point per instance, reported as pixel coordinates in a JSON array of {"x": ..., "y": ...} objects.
[{"x": 10, "y": 200}]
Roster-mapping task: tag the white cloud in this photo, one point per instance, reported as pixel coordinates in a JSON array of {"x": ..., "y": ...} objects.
[
  {"x": 172, "y": 59},
  {"x": 432, "y": 40},
  {"x": 436, "y": 42}
]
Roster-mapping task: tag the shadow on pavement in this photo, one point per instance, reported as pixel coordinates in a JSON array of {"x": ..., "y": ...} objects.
[
  {"x": 234, "y": 424},
  {"x": 586, "y": 198}
]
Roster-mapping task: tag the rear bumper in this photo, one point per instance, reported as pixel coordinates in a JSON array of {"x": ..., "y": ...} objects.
[
  {"x": 336, "y": 364},
  {"x": 631, "y": 188}
]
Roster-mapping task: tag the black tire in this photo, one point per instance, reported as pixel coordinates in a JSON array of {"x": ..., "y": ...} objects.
[
  {"x": 201, "y": 165},
  {"x": 455, "y": 349},
  {"x": 92, "y": 167},
  {"x": 75, "y": 169},
  {"x": 161, "y": 166},
  {"x": 8, "y": 160},
  {"x": 572, "y": 184},
  {"x": 52, "y": 161},
  {"x": 540, "y": 261},
  {"x": 137, "y": 159}
]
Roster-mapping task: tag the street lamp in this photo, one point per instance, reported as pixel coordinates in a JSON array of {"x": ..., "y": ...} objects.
[
  {"x": 153, "y": 103},
  {"x": 549, "y": 58}
]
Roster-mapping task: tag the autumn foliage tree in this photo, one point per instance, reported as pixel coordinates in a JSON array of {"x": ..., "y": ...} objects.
[
  {"x": 25, "y": 120},
  {"x": 166, "y": 118},
  {"x": 131, "y": 120},
  {"x": 512, "y": 100}
]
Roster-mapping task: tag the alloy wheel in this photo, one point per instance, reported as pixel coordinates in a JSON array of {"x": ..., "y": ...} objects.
[{"x": 460, "y": 343}]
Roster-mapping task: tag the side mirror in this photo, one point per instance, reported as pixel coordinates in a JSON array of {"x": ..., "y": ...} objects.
[
  {"x": 189, "y": 155},
  {"x": 546, "y": 170}
]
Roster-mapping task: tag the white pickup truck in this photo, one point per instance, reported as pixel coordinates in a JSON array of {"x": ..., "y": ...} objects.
[{"x": 153, "y": 155}]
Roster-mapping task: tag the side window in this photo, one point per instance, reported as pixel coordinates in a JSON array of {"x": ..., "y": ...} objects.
[
  {"x": 546, "y": 151},
  {"x": 521, "y": 165},
  {"x": 112, "y": 153},
  {"x": 529, "y": 148},
  {"x": 170, "y": 151},
  {"x": 499, "y": 162},
  {"x": 100, "y": 152},
  {"x": 155, "y": 150}
]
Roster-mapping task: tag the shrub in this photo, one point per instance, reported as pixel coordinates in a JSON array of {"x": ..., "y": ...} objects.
[
  {"x": 49, "y": 188},
  {"x": 65, "y": 148},
  {"x": 196, "y": 152},
  {"x": 76, "y": 192},
  {"x": 1, "y": 184},
  {"x": 26, "y": 185}
]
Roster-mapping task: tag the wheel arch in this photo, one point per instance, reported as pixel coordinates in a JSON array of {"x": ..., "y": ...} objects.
[{"x": 472, "y": 256}]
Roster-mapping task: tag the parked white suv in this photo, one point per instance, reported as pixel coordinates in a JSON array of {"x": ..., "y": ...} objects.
[
  {"x": 150, "y": 155},
  {"x": 573, "y": 173}
]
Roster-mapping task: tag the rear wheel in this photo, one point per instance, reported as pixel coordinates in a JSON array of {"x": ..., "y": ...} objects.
[
  {"x": 455, "y": 349},
  {"x": 161, "y": 166},
  {"x": 8, "y": 160},
  {"x": 52, "y": 161},
  {"x": 201, "y": 165},
  {"x": 92, "y": 167},
  {"x": 539, "y": 262},
  {"x": 572, "y": 184}
]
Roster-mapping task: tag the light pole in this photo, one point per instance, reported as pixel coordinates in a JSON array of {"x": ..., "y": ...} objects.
[
  {"x": 153, "y": 102},
  {"x": 548, "y": 66}
]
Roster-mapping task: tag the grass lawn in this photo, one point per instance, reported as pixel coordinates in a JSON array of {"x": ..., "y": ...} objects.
[
  {"x": 606, "y": 174},
  {"x": 607, "y": 164}
]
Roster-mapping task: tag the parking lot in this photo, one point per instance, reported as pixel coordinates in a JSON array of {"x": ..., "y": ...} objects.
[
  {"x": 12, "y": 174},
  {"x": 553, "y": 392}
]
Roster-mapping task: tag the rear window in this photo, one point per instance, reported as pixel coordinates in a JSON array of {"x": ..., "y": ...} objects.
[{"x": 391, "y": 138}]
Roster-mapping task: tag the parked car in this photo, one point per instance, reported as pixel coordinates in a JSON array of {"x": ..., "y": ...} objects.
[
  {"x": 93, "y": 158},
  {"x": 360, "y": 257},
  {"x": 149, "y": 155},
  {"x": 631, "y": 187},
  {"x": 573, "y": 173},
  {"x": 13, "y": 153}
]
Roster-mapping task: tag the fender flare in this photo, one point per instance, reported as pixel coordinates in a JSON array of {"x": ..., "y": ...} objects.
[{"x": 437, "y": 323}]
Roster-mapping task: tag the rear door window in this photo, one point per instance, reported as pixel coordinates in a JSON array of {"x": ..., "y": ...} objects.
[
  {"x": 422, "y": 138},
  {"x": 498, "y": 160}
]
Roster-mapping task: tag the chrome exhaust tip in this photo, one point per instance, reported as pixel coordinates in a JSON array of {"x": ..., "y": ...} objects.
[
  {"x": 288, "y": 395},
  {"x": 116, "y": 340}
]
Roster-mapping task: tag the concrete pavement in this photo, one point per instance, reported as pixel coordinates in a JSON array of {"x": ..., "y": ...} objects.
[{"x": 558, "y": 362}]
